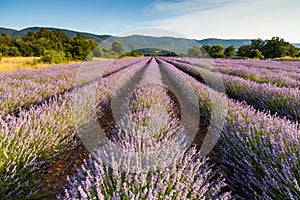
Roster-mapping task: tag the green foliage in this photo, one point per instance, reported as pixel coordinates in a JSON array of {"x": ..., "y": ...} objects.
[
  {"x": 274, "y": 48},
  {"x": 195, "y": 52},
  {"x": 229, "y": 51},
  {"x": 136, "y": 53},
  {"x": 244, "y": 51},
  {"x": 117, "y": 47},
  {"x": 258, "y": 44},
  {"x": 104, "y": 53},
  {"x": 255, "y": 53},
  {"x": 14, "y": 51},
  {"x": 53, "y": 57},
  {"x": 133, "y": 53},
  {"x": 81, "y": 47},
  {"x": 51, "y": 46},
  {"x": 98, "y": 52},
  {"x": 277, "y": 47},
  {"x": 206, "y": 48},
  {"x": 216, "y": 51}
]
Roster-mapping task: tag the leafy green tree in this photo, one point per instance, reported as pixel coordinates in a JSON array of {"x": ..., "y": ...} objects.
[
  {"x": 49, "y": 44},
  {"x": 4, "y": 50},
  {"x": 195, "y": 52},
  {"x": 244, "y": 50},
  {"x": 255, "y": 53},
  {"x": 258, "y": 44},
  {"x": 53, "y": 57},
  {"x": 206, "y": 48},
  {"x": 277, "y": 47},
  {"x": 217, "y": 51},
  {"x": 81, "y": 47},
  {"x": 135, "y": 53},
  {"x": 98, "y": 52},
  {"x": 14, "y": 51},
  {"x": 229, "y": 51},
  {"x": 117, "y": 47},
  {"x": 107, "y": 53}
]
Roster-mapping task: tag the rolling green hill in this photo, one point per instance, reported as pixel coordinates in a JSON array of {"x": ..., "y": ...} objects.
[
  {"x": 70, "y": 33},
  {"x": 8, "y": 31},
  {"x": 225, "y": 43},
  {"x": 297, "y": 45},
  {"x": 140, "y": 41}
]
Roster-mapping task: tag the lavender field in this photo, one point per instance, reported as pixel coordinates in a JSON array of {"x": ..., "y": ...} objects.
[{"x": 151, "y": 128}]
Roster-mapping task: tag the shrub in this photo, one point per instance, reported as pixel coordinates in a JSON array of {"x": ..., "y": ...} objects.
[{"x": 53, "y": 57}]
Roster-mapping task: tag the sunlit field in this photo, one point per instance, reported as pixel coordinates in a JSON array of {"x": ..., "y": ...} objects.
[{"x": 11, "y": 64}]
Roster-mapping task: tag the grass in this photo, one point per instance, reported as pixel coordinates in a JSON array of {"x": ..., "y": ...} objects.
[
  {"x": 11, "y": 64},
  {"x": 99, "y": 59},
  {"x": 287, "y": 58}
]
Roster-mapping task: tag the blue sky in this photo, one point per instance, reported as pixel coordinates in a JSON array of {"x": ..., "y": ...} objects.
[{"x": 197, "y": 19}]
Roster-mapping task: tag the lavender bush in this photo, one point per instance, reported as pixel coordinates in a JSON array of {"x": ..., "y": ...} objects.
[
  {"x": 34, "y": 86},
  {"x": 111, "y": 175},
  {"x": 142, "y": 153},
  {"x": 259, "y": 152},
  {"x": 35, "y": 137},
  {"x": 283, "y": 101}
]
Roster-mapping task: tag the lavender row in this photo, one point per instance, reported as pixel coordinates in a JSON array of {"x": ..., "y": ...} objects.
[
  {"x": 293, "y": 67},
  {"x": 127, "y": 168},
  {"x": 283, "y": 101},
  {"x": 277, "y": 77},
  {"x": 36, "y": 137},
  {"x": 33, "y": 86},
  {"x": 259, "y": 152}
]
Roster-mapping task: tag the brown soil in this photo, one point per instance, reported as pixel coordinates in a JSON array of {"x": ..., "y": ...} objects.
[
  {"x": 108, "y": 123},
  {"x": 53, "y": 176}
]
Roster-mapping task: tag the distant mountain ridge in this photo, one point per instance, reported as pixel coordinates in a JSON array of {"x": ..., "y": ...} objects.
[
  {"x": 8, "y": 31},
  {"x": 140, "y": 41},
  {"x": 224, "y": 42},
  {"x": 297, "y": 45},
  {"x": 15, "y": 33}
]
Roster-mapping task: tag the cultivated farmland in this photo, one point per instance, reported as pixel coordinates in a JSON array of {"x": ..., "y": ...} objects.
[{"x": 151, "y": 128}]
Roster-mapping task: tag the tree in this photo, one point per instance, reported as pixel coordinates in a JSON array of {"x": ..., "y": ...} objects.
[
  {"x": 277, "y": 47},
  {"x": 229, "y": 51},
  {"x": 244, "y": 51},
  {"x": 117, "y": 47},
  {"x": 217, "y": 51},
  {"x": 98, "y": 52},
  {"x": 52, "y": 56},
  {"x": 14, "y": 51},
  {"x": 195, "y": 52},
  {"x": 135, "y": 53},
  {"x": 255, "y": 53},
  {"x": 258, "y": 44},
  {"x": 49, "y": 44},
  {"x": 206, "y": 48},
  {"x": 81, "y": 47}
]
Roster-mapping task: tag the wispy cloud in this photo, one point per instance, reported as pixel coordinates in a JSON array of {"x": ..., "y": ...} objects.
[
  {"x": 229, "y": 18},
  {"x": 181, "y": 7}
]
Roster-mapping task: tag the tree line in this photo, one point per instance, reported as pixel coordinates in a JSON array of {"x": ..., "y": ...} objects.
[
  {"x": 259, "y": 49},
  {"x": 53, "y": 46}
]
